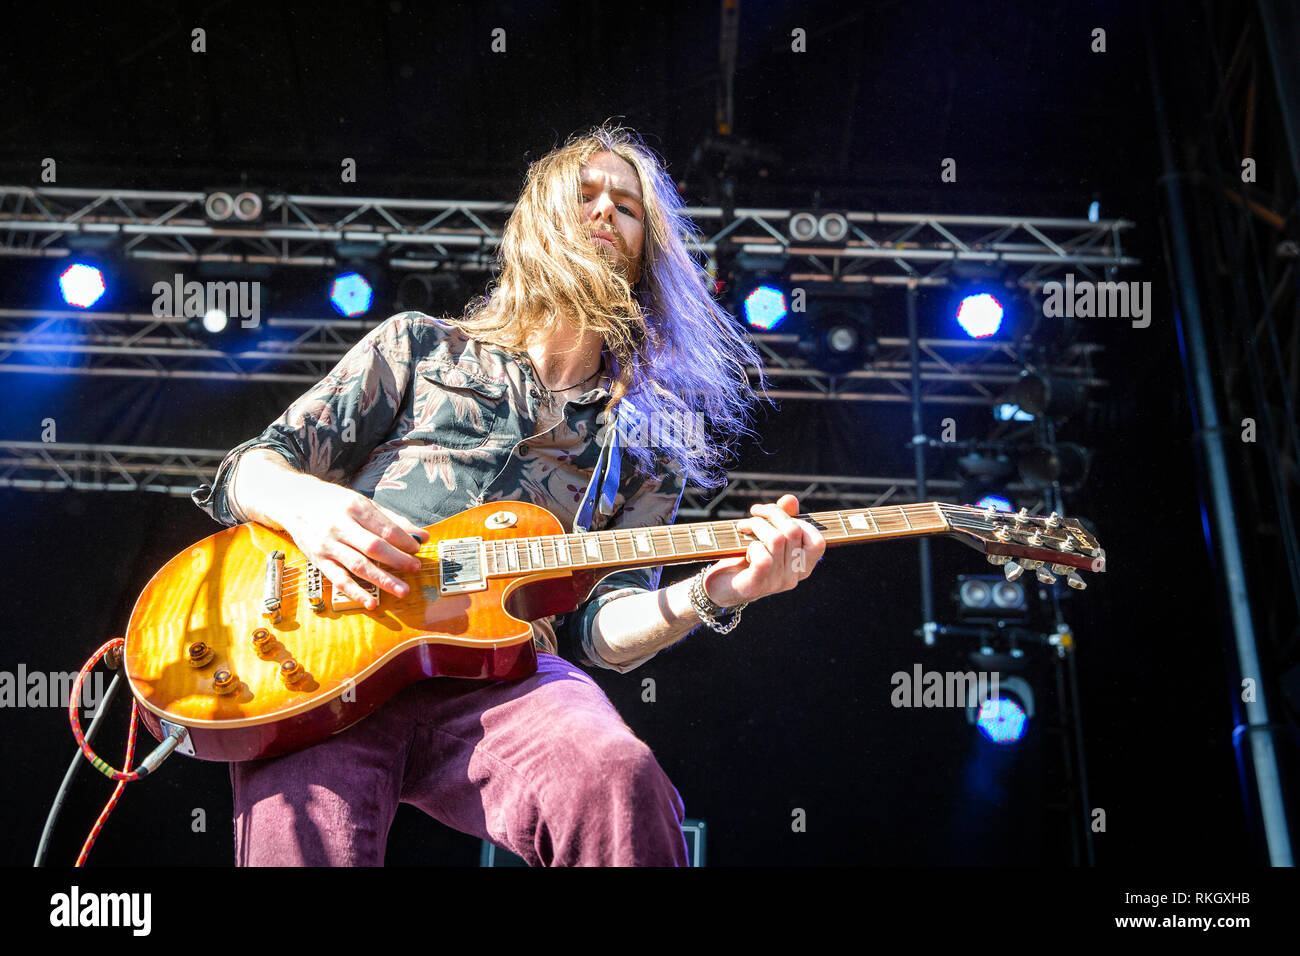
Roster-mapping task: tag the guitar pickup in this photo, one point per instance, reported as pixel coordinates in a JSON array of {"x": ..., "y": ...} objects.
[
  {"x": 460, "y": 566},
  {"x": 341, "y": 602}
]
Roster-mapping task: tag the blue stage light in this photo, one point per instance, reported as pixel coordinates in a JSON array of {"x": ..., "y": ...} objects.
[
  {"x": 996, "y": 502},
  {"x": 82, "y": 285},
  {"x": 1011, "y": 413},
  {"x": 1001, "y": 720},
  {"x": 351, "y": 294},
  {"x": 765, "y": 308},
  {"x": 980, "y": 315}
]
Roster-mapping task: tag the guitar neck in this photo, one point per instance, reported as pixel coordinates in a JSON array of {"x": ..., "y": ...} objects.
[{"x": 701, "y": 541}]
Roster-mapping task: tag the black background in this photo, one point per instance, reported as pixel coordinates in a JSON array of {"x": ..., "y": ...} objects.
[{"x": 792, "y": 710}]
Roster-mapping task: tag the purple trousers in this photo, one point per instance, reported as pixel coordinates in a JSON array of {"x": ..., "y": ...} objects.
[{"x": 543, "y": 766}]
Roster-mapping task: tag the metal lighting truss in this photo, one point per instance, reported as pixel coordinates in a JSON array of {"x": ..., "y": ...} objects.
[
  {"x": 889, "y": 249},
  {"x": 881, "y": 248}
]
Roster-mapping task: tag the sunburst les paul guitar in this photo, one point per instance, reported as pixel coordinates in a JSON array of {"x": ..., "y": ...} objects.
[{"x": 241, "y": 642}]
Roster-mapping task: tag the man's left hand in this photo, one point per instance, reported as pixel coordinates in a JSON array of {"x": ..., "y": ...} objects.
[{"x": 784, "y": 552}]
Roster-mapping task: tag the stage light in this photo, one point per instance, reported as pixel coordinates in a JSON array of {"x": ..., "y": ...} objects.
[
  {"x": 765, "y": 308},
  {"x": 975, "y": 593},
  {"x": 980, "y": 314},
  {"x": 997, "y": 503},
  {"x": 351, "y": 294},
  {"x": 1004, "y": 718},
  {"x": 1001, "y": 720},
  {"x": 988, "y": 596},
  {"x": 248, "y": 207},
  {"x": 811, "y": 227},
  {"x": 1039, "y": 393},
  {"x": 82, "y": 285},
  {"x": 1008, "y": 412},
  {"x": 1008, "y": 595},
  {"x": 1094, "y": 211},
  {"x": 838, "y": 333},
  {"x": 1043, "y": 466},
  {"x": 218, "y": 206},
  {"x": 215, "y": 321},
  {"x": 440, "y": 292}
]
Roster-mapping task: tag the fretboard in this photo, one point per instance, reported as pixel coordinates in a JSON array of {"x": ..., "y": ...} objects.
[{"x": 700, "y": 541}]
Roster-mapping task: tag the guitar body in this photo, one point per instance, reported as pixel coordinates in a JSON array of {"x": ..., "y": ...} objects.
[{"x": 244, "y": 702}]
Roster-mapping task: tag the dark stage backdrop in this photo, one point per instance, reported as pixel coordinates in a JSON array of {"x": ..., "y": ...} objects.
[{"x": 792, "y": 710}]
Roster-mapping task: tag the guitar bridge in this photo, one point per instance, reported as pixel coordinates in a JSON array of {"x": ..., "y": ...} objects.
[{"x": 315, "y": 588}]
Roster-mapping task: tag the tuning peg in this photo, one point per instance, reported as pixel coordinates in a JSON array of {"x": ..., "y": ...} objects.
[
  {"x": 1045, "y": 576},
  {"x": 1074, "y": 581},
  {"x": 1012, "y": 570},
  {"x": 1053, "y": 521},
  {"x": 1035, "y": 539},
  {"x": 1022, "y": 516},
  {"x": 997, "y": 560}
]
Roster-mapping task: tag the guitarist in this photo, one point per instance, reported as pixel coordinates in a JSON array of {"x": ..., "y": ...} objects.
[{"x": 600, "y": 316}]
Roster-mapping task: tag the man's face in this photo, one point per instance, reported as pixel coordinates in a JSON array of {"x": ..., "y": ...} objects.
[{"x": 613, "y": 210}]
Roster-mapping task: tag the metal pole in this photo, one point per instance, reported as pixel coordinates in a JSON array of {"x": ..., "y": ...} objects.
[
  {"x": 919, "y": 442},
  {"x": 1187, "y": 314}
]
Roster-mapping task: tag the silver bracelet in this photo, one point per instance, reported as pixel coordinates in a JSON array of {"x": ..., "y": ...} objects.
[{"x": 708, "y": 611}]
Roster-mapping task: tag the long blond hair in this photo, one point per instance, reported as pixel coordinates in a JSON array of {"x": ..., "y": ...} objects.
[{"x": 678, "y": 355}]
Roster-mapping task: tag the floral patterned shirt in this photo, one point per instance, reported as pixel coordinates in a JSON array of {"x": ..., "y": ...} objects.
[{"x": 428, "y": 422}]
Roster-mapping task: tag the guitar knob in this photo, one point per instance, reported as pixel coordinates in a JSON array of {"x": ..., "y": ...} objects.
[
  {"x": 1012, "y": 570},
  {"x": 262, "y": 640},
  {"x": 1045, "y": 576},
  {"x": 292, "y": 672},
  {"x": 1074, "y": 581},
  {"x": 198, "y": 654},
  {"x": 223, "y": 682}
]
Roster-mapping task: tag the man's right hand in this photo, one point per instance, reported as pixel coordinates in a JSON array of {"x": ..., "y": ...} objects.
[
  {"x": 340, "y": 531},
  {"x": 347, "y": 536}
]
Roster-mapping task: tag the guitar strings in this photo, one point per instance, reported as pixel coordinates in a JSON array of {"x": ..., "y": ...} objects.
[
  {"x": 883, "y": 520},
  {"x": 883, "y": 517}
]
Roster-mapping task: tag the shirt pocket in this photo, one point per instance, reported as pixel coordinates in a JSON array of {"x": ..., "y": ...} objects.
[{"x": 465, "y": 407}]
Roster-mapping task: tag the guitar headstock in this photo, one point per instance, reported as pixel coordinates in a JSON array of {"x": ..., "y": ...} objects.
[{"x": 1048, "y": 546}]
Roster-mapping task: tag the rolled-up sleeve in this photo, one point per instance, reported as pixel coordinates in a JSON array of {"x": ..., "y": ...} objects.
[
  {"x": 330, "y": 430},
  {"x": 653, "y": 503}
]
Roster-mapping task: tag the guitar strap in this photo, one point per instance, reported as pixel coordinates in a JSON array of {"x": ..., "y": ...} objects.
[{"x": 603, "y": 487}]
